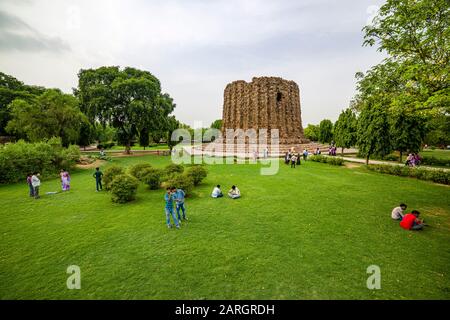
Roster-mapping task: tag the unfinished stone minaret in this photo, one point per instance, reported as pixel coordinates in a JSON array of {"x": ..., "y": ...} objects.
[{"x": 265, "y": 103}]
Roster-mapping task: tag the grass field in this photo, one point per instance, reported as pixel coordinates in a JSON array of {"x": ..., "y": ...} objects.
[
  {"x": 305, "y": 233},
  {"x": 437, "y": 153}
]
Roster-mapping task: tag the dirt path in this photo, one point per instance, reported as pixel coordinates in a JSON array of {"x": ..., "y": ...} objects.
[{"x": 95, "y": 164}]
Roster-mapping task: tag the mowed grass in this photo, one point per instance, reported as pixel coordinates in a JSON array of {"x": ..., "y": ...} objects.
[
  {"x": 305, "y": 233},
  {"x": 437, "y": 153}
]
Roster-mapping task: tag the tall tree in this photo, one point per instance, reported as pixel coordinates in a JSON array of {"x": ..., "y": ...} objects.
[
  {"x": 345, "y": 130},
  {"x": 373, "y": 132},
  {"x": 416, "y": 37},
  {"x": 52, "y": 114},
  {"x": 311, "y": 132},
  {"x": 129, "y": 100},
  {"x": 407, "y": 132},
  {"x": 325, "y": 131},
  {"x": 11, "y": 89}
]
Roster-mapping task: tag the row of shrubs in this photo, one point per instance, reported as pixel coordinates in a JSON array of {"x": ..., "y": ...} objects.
[
  {"x": 19, "y": 159},
  {"x": 123, "y": 184},
  {"x": 435, "y": 175},
  {"x": 433, "y": 161},
  {"x": 336, "y": 161}
]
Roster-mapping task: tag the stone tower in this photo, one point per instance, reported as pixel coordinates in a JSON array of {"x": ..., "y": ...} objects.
[{"x": 265, "y": 103}]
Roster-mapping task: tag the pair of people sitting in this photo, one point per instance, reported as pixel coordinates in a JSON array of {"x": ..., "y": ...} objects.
[
  {"x": 234, "y": 192},
  {"x": 409, "y": 221}
]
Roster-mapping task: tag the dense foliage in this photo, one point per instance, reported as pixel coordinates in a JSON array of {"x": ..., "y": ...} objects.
[
  {"x": 123, "y": 188},
  {"x": 435, "y": 175},
  {"x": 109, "y": 174},
  {"x": 197, "y": 173}
]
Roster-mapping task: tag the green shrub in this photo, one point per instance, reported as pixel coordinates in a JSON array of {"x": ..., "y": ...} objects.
[
  {"x": 172, "y": 169},
  {"x": 138, "y": 169},
  {"x": 435, "y": 175},
  {"x": 109, "y": 174},
  {"x": 47, "y": 157},
  {"x": 181, "y": 181},
  {"x": 197, "y": 173},
  {"x": 336, "y": 161},
  {"x": 433, "y": 161},
  {"x": 123, "y": 188},
  {"x": 152, "y": 177}
]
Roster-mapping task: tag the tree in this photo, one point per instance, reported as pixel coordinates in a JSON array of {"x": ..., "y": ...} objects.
[
  {"x": 144, "y": 138},
  {"x": 52, "y": 114},
  {"x": 311, "y": 132},
  {"x": 345, "y": 130},
  {"x": 171, "y": 125},
  {"x": 86, "y": 135},
  {"x": 217, "y": 124},
  {"x": 129, "y": 100},
  {"x": 325, "y": 131},
  {"x": 438, "y": 131},
  {"x": 373, "y": 132},
  {"x": 11, "y": 89},
  {"x": 407, "y": 132},
  {"x": 415, "y": 35}
]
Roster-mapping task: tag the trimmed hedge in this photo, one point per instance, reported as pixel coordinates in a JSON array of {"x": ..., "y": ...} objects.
[
  {"x": 123, "y": 188},
  {"x": 433, "y": 161},
  {"x": 181, "y": 181},
  {"x": 171, "y": 170},
  {"x": 47, "y": 157},
  {"x": 139, "y": 169},
  {"x": 109, "y": 174},
  {"x": 435, "y": 175},
  {"x": 197, "y": 173},
  {"x": 152, "y": 177},
  {"x": 336, "y": 161}
]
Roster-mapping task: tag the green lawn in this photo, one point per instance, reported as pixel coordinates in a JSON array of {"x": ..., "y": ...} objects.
[
  {"x": 305, "y": 233},
  {"x": 138, "y": 148},
  {"x": 437, "y": 153}
]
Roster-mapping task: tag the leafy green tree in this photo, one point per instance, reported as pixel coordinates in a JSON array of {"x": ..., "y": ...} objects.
[
  {"x": 438, "y": 131},
  {"x": 311, "y": 132},
  {"x": 415, "y": 35},
  {"x": 171, "y": 125},
  {"x": 11, "y": 89},
  {"x": 86, "y": 135},
  {"x": 325, "y": 131},
  {"x": 345, "y": 130},
  {"x": 128, "y": 100},
  {"x": 52, "y": 114},
  {"x": 407, "y": 132},
  {"x": 217, "y": 124},
  {"x": 373, "y": 132},
  {"x": 144, "y": 138}
]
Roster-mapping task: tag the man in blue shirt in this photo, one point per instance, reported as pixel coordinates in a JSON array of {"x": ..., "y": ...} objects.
[
  {"x": 179, "y": 201},
  {"x": 169, "y": 197}
]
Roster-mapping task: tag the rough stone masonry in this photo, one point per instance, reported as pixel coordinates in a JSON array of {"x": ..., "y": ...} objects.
[{"x": 265, "y": 103}]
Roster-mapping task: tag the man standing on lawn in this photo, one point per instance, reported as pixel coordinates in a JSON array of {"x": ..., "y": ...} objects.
[
  {"x": 169, "y": 197},
  {"x": 36, "y": 183},
  {"x": 179, "y": 202},
  {"x": 98, "y": 179}
]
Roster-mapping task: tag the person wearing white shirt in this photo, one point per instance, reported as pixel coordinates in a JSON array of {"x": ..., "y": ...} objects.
[
  {"x": 36, "y": 183},
  {"x": 398, "y": 212},
  {"x": 217, "y": 193},
  {"x": 234, "y": 192}
]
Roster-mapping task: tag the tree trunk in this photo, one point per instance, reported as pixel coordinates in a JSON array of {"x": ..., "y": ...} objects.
[
  {"x": 401, "y": 155},
  {"x": 128, "y": 148},
  {"x": 367, "y": 160},
  {"x": 342, "y": 151}
]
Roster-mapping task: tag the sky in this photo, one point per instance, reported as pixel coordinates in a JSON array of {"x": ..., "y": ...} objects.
[{"x": 195, "y": 47}]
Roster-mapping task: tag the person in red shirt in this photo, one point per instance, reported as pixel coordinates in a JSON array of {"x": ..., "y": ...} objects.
[{"x": 411, "y": 221}]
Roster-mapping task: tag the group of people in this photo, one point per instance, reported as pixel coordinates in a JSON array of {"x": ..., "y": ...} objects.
[
  {"x": 408, "y": 221},
  {"x": 413, "y": 159},
  {"x": 174, "y": 195},
  {"x": 233, "y": 193},
  {"x": 34, "y": 183},
  {"x": 332, "y": 150},
  {"x": 293, "y": 158}
]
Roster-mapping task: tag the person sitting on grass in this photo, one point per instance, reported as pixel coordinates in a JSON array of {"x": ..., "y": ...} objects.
[
  {"x": 217, "y": 193},
  {"x": 234, "y": 192},
  {"x": 398, "y": 212},
  {"x": 36, "y": 183},
  {"x": 179, "y": 202},
  {"x": 169, "y": 197},
  {"x": 411, "y": 221},
  {"x": 98, "y": 179}
]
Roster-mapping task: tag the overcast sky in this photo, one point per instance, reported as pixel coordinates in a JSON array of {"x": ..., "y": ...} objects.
[{"x": 195, "y": 47}]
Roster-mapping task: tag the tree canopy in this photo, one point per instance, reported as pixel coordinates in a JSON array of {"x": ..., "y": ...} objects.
[{"x": 345, "y": 129}]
